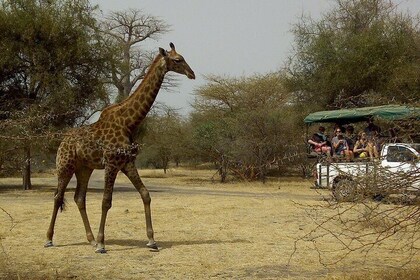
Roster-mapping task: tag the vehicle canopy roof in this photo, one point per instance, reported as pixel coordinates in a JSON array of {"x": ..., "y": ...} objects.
[{"x": 386, "y": 112}]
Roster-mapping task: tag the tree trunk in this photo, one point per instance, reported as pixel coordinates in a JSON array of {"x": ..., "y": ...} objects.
[
  {"x": 223, "y": 169},
  {"x": 26, "y": 170},
  {"x": 126, "y": 79}
]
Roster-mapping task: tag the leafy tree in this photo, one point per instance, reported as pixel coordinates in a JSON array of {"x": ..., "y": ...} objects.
[
  {"x": 163, "y": 138},
  {"x": 240, "y": 123},
  {"x": 51, "y": 73},
  {"x": 360, "y": 53},
  {"x": 210, "y": 141}
]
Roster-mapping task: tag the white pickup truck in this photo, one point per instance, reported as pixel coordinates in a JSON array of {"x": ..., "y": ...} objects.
[{"x": 396, "y": 171}]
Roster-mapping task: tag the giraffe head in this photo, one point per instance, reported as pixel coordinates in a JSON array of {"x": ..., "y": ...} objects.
[{"x": 176, "y": 63}]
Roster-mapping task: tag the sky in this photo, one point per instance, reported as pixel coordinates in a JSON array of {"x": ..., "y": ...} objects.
[{"x": 227, "y": 37}]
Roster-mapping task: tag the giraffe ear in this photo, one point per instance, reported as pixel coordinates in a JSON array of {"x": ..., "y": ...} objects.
[
  {"x": 172, "y": 46},
  {"x": 163, "y": 52}
]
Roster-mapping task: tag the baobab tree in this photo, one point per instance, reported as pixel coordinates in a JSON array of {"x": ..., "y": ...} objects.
[{"x": 126, "y": 33}]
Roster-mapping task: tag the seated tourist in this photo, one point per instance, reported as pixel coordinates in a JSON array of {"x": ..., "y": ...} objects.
[
  {"x": 351, "y": 139},
  {"x": 339, "y": 127},
  {"x": 372, "y": 130},
  {"x": 319, "y": 142},
  {"x": 340, "y": 145},
  {"x": 373, "y": 134},
  {"x": 364, "y": 148}
]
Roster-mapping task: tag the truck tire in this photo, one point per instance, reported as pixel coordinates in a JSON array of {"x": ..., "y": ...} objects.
[{"x": 345, "y": 190}]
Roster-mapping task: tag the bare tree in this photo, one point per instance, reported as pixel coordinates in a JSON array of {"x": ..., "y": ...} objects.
[{"x": 125, "y": 31}]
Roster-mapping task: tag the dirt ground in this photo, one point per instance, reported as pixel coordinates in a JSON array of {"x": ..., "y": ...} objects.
[{"x": 205, "y": 231}]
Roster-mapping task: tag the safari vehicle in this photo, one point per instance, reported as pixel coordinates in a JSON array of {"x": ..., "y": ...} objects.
[{"x": 396, "y": 171}]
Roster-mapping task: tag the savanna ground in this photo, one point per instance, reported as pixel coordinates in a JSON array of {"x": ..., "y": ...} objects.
[{"x": 206, "y": 230}]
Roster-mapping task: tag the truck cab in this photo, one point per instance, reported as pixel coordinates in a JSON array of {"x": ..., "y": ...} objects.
[{"x": 402, "y": 157}]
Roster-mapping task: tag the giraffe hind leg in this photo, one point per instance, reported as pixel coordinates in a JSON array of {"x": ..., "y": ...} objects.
[
  {"x": 63, "y": 180},
  {"x": 110, "y": 176},
  {"x": 83, "y": 176}
]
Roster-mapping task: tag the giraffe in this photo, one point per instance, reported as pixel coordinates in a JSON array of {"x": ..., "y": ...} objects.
[{"x": 108, "y": 144}]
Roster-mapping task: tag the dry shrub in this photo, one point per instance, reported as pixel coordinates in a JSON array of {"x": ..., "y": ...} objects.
[
  {"x": 360, "y": 228},
  {"x": 394, "y": 274}
]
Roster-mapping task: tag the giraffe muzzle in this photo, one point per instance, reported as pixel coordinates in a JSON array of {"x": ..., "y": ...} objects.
[{"x": 190, "y": 75}]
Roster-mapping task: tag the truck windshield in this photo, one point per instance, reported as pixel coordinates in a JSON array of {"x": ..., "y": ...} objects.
[{"x": 400, "y": 154}]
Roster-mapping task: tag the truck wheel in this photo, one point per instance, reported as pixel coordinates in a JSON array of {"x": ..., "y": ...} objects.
[{"x": 345, "y": 190}]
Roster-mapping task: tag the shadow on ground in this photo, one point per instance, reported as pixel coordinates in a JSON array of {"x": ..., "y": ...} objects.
[{"x": 130, "y": 244}]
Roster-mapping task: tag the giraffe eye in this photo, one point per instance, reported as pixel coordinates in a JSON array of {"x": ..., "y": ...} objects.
[{"x": 178, "y": 60}]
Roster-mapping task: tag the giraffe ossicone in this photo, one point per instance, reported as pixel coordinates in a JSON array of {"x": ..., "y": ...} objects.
[{"x": 108, "y": 144}]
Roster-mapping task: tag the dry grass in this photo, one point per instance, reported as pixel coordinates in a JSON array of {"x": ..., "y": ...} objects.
[
  {"x": 387, "y": 274},
  {"x": 206, "y": 230}
]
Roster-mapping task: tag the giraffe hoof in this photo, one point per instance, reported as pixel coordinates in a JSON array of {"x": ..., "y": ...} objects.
[
  {"x": 153, "y": 247},
  {"x": 48, "y": 244},
  {"x": 100, "y": 251}
]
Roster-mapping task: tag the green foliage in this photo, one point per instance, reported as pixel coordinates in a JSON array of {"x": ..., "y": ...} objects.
[
  {"x": 360, "y": 53},
  {"x": 51, "y": 70},
  {"x": 240, "y": 124},
  {"x": 163, "y": 139},
  {"x": 51, "y": 59}
]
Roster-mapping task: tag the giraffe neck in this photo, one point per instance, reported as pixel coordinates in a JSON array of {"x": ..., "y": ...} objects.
[{"x": 135, "y": 108}]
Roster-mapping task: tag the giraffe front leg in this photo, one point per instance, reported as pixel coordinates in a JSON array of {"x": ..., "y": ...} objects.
[
  {"x": 131, "y": 172},
  {"x": 147, "y": 212},
  {"x": 110, "y": 175}
]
